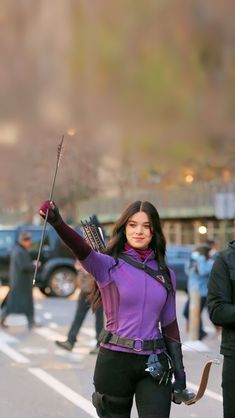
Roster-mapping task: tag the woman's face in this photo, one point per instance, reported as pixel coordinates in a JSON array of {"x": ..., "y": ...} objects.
[{"x": 138, "y": 231}]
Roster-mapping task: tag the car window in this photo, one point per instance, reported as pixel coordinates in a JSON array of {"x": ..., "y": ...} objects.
[{"x": 7, "y": 239}]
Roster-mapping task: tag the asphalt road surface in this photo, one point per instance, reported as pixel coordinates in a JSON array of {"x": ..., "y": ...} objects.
[{"x": 40, "y": 380}]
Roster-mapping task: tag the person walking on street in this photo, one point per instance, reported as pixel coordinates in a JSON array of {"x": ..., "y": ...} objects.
[
  {"x": 83, "y": 307},
  {"x": 19, "y": 299},
  {"x": 221, "y": 306},
  {"x": 198, "y": 269},
  {"x": 83, "y": 304},
  {"x": 140, "y": 347}
]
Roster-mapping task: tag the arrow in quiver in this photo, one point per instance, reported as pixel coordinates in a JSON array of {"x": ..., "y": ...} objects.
[{"x": 93, "y": 234}]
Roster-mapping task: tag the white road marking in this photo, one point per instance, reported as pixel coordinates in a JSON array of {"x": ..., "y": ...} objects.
[
  {"x": 34, "y": 350},
  {"x": 47, "y": 315},
  {"x": 16, "y": 320},
  {"x": 71, "y": 355},
  {"x": 64, "y": 391},
  {"x": 6, "y": 338},
  {"x": 13, "y": 354},
  {"x": 48, "y": 334},
  {"x": 208, "y": 392},
  {"x": 196, "y": 345},
  {"x": 52, "y": 335}
]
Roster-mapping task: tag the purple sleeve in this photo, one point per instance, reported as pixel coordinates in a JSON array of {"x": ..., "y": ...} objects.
[
  {"x": 95, "y": 263},
  {"x": 73, "y": 240},
  {"x": 100, "y": 266}
]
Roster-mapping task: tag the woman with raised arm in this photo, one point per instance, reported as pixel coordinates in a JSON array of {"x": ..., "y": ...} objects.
[{"x": 140, "y": 347}]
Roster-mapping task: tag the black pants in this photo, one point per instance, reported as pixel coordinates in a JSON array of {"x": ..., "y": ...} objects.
[
  {"x": 83, "y": 307},
  {"x": 122, "y": 375},
  {"x": 228, "y": 385}
]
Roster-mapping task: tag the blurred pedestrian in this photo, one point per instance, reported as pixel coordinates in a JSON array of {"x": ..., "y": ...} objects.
[
  {"x": 141, "y": 344},
  {"x": 198, "y": 269},
  {"x": 221, "y": 306},
  {"x": 19, "y": 299},
  {"x": 214, "y": 246},
  {"x": 83, "y": 307},
  {"x": 84, "y": 303}
]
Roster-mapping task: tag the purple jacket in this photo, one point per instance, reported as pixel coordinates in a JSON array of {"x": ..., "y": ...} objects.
[{"x": 135, "y": 305}]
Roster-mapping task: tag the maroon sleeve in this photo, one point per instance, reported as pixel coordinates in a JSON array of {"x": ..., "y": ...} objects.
[
  {"x": 73, "y": 240},
  {"x": 171, "y": 332}
]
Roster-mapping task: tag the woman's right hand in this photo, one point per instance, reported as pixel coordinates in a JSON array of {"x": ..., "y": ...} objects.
[{"x": 53, "y": 217}]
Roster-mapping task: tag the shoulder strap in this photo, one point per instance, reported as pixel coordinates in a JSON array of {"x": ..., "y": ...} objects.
[{"x": 160, "y": 275}]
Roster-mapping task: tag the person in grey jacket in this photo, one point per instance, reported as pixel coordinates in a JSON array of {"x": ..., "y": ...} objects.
[
  {"x": 19, "y": 299},
  {"x": 221, "y": 306}
]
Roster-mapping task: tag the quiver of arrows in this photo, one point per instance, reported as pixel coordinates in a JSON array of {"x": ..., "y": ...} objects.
[{"x": 93, "y": 234}]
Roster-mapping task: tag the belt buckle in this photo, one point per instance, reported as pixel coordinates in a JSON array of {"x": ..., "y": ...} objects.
[{"x": 138, "y": 340}]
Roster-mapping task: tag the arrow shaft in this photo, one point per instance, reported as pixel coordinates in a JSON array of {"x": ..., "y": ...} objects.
[{"x": 46, "y": 216}]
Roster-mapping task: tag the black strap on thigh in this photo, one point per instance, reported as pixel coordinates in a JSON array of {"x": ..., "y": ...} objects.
[{"x": 108, "y": 406}]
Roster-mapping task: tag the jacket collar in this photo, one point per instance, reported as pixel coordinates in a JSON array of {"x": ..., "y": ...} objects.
[{"x": 134, "y": 254}]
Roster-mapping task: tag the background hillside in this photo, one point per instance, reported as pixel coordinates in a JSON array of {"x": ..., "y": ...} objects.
[{"x": 148, "y": 86}]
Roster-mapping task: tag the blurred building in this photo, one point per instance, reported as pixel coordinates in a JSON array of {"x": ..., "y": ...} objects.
[{"x": 191, "y": 214}]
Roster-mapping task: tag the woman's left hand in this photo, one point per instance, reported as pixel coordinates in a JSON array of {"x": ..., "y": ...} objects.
[{"x": 184, "y": 395}]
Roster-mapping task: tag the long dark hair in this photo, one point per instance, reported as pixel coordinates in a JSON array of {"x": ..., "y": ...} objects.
[{"x": 117, "y": 240}]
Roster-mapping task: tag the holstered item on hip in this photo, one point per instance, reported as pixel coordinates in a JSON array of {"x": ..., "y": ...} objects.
[{"x": 160, "y": 367}]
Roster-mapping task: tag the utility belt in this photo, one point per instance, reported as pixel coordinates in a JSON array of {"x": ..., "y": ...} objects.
[
  {"x": 158, "y": 365},
  {"x": 135, "y": 344}
]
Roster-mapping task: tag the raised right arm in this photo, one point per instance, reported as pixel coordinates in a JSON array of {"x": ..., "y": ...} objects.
[
  {"x": 71, "y": 238},
  {"x": 95, "y": 263}
]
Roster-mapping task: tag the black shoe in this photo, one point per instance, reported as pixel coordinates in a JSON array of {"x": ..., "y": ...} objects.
[{"x": 67, "y": 345}]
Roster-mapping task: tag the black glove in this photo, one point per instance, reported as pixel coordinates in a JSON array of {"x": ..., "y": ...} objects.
[
  {"x": 175, "y": 353},
  {"x": 179, "y": 393},
  {"x": 54, "y": 217},
  {"x": 179, "y": 396}
]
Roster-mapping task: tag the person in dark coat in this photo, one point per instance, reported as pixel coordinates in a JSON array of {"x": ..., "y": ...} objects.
[
  {"x": 19, "y": 299},
  {"x": 221, "y": 306}
]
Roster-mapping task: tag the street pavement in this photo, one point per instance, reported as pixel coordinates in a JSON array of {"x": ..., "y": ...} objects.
[{"x": 40, "y": 380}]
